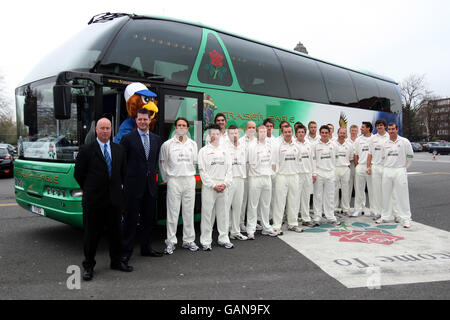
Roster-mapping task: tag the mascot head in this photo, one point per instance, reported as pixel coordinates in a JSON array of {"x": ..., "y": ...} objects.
[{"x": 138, "y": 96}]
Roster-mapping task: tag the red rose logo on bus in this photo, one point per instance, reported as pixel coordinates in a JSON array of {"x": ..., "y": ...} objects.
[
  {"x": 216, "y": 58},
  {"x": 366, "y": 236},
  {"x": 216, "y": 68}
]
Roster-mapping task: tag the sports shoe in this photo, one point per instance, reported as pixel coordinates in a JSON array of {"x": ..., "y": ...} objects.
[
  {"x": 259, "y": 227},
  {"x": 278, "y": 231},
  {"x": 238, "y": 237},
  {"x": 355, "y": 213},
  {"x": 191, "y": 246},
  {"x": 169, "y": 249},
  {"x": 226, "y": 245},
  {"x": 308, "y": 223},
  {"x": 397, "y": 219},
  {"x": 377, "y": 217},
  {"x": 270, "y": 233},
  {"x": 295, "y": 229},
  {"x": 206, "y": 247},
  {"x": 251, "y": 236},
  {"x": 372, "y": 214},
  {"x": 243, "y": 228},
  {"x": 406, "y": 224},
  {"x": 381, "y": 220},
  {"x": 335, "y": 222}
]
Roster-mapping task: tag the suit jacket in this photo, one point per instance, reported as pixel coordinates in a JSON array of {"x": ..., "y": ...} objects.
[
  {"x": 141, "y": 172},
  {"x": 91, "y": 173}
]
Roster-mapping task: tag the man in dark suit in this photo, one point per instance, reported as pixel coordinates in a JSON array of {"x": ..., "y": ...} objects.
[
  {"x": 100, "y": 170},
  {"x": 142, "y": 149}
]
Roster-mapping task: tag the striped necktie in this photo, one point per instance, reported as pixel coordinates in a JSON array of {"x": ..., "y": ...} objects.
[
  {"x": 107, "y": 159},
  {"x": 146, "y": 145}
]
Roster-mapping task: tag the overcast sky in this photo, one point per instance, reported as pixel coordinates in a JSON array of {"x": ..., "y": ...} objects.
[{"x": 394, "y": 38}]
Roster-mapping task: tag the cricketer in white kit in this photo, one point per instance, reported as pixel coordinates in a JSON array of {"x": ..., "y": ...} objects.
[
  {"x": 260, "y": 184},
  {"x": 344, "y": 154},
  {"x": 305, "y": 171},
  {"x": 177, "y": 161},
  {"x": 285, "y": 156},
  {"x": 324, "y": 155},
  {"x": 397, "y": 157},
  {"x": 362, "y": 177},
  {"x": 214, "y": 165},
  {"x": 238, "y": 154},
  {"x": 375, "y": 165}
]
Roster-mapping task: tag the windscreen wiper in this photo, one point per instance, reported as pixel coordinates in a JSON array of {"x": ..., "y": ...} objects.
[{"x": 106, "y": 16}]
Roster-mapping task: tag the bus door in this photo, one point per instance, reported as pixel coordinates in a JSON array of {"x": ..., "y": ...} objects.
[
  {"x": 173, "y": 104},
  {"x": 176, "y": 103}
]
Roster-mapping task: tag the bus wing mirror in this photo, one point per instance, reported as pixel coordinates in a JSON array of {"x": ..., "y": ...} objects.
[{"x": 62, "y": 101}]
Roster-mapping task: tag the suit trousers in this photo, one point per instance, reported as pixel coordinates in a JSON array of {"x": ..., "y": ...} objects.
[
  {"x": 95, "y": 221},
  {"x": 143, "y": 207}
]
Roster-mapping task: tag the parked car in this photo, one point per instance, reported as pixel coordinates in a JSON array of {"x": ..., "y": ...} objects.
[
  {"x": 428, "y": 145},
  {"x": 417, "y": 147},
  {"x": 440, "y": 148},
  {"x": 11, "y": 150},
  {"x": 6, "y": 162}
]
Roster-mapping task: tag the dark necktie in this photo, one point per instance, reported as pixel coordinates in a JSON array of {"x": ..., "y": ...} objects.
[{"x": 107, "y": 159}]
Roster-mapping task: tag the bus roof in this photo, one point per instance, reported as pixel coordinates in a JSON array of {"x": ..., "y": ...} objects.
[{"x": 199, "y": 24}]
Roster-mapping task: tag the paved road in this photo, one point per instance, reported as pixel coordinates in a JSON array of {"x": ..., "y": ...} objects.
[{"x": 35, "y": 253}]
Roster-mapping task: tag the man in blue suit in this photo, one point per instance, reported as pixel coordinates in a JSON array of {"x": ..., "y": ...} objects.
[{"x": 142, "y": 150}]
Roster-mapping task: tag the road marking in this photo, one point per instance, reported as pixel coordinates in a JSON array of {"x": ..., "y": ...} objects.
[
  {"x": 428, "y": 173},
  {"x": 431, "y": 160},
  {"x": 8, "y": 204},
  {"x": 360, "y": 253}
]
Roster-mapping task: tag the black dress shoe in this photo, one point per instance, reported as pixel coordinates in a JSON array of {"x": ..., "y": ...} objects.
[
  {"x": 88, "y": 274},
  {"x": 121, "y": 266},
  {"x": 151, "y": 253}
]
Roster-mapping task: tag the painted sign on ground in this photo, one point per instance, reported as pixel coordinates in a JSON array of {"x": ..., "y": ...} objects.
[{"x": 360, "y": 253}]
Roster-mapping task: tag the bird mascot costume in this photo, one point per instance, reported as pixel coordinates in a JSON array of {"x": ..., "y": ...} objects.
[{"x": 137, "y": 96}]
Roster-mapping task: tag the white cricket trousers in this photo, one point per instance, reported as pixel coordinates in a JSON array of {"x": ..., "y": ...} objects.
[
  {"x": 342, "y": 179},
  {"x": 323, "y": 198},
  {"x": 259, "y": 192},
  {"x": 376, "y": 202},
  {"x": 213, "y": 201},
  {"x": 180, "y": 190},
  {"x": 361, "y": 179},
  {"x": 351, "y": 182},
  {"x": 234, "y": 205},
  {"x": 395, "y": 186},
  {"x": 285, "y": 195},
  {"x": 306, "y": 186},
  {"x": 244, "y": 201}
]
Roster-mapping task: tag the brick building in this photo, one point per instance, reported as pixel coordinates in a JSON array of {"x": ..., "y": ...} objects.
[{"x": 434, "y": 118}]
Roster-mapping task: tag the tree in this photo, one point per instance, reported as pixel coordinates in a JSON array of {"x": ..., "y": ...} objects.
[
  {"x": 413, "y": 90},
  {"x": 7, "y": 122}
]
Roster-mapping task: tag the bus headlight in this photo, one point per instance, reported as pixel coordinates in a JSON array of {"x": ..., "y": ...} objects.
[{"x": 76, "y": 193}]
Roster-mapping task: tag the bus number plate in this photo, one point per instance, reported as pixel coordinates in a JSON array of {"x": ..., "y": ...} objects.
[{"x": 37, "y": 210}]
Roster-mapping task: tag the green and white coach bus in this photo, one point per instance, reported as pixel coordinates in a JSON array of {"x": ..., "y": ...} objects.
[{"x": 196, "y": 71}]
